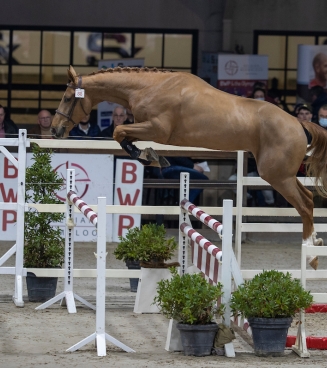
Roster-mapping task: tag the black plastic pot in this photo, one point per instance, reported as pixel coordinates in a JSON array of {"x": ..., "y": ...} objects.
[
  {"x": 269, "y": 335},
  {"x": 197, "y": 339},
  {"x": 40, "y": 289},
  {"x": 133, "y": 265}
]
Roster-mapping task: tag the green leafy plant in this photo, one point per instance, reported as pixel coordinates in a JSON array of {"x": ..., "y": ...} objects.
[
  {"x": 270, "y": 294},
  {"x": 44, "y": 244},
  {"x": 147, "y": 243},
  {"x": 189, "y": 298}
]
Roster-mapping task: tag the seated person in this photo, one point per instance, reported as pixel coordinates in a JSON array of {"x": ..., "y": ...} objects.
[
  {"x": 42, "y": 129},
  {"x": 119, "y": 117},
  {"x": 8, "y": 128},
  {"x": 260, "y": 198},
  {"x": 85, "y": 130},
  {"x": 304, "y": 114},
  {"x": 184, "y": 164},
  {"x": 322, "y": 116}
]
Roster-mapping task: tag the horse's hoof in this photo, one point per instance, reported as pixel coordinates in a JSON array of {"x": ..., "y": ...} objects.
[
  {"x": 163, "y": 161},
  {"x": 318, "y": 242},
  {"x": 149, "y": 154},
  {"x": 314, "y": 263}
]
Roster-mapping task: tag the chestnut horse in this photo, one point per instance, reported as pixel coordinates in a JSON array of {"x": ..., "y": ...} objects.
[{"x": 181, "y": 109}]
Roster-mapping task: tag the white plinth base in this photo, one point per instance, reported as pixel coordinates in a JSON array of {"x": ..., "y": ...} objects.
[
  {"x": 147, "y": 289},
  {"x": 173, "y": 341}
]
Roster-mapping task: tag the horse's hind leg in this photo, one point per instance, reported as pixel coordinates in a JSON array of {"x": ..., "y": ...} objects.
[{"x": 302, "y": 200}]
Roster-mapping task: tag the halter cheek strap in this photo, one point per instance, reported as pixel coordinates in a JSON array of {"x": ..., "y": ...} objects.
[{"x": 71, "y": 110}]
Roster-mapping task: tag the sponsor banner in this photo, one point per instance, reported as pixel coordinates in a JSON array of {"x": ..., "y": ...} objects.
[
  {"x": 93, "y": 178},
  {"x": 238, "y": 73},
  {"x": 242, "y": 67},
  {"x": 106, "y": 108},
  {"x": 128, "y": 192},
  {"x": 311, "y": 69},
  {"x": 238, "y": 87}
]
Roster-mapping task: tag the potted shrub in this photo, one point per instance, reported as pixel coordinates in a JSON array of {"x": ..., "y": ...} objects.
[
  {"x": 127, "y": 252},
  {"x": 147, "y": 247},
  {"x": 269, "y": 301},
  {"x": 44, "y": 244},
  {"x": 191, "y": 301}
]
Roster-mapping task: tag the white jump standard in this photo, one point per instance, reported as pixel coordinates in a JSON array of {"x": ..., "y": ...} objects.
[
  {"x": 67, "y": 297},
  {"x": 99, "y": 336}
]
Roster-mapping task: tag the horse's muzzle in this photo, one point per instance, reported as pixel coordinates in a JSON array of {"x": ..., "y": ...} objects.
[{"x": 58, "y": 133}]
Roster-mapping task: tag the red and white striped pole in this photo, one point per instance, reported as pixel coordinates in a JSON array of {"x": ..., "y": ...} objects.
[
  {"x": 205, "y": 255},
  {"x": 83, "y": 207},
  {"x": 202, "y": 216}
]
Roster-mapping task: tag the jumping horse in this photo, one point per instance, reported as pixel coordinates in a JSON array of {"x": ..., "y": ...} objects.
[{"x": 181, "y": 109}]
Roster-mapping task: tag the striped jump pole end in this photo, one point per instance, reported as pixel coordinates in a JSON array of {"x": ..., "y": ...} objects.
[
  {"x": 83, "y": 207},
  {"x": 202, "y": 216}
]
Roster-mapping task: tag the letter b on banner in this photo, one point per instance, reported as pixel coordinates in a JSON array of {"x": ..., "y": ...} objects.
[{"x": 128, "y": 192}]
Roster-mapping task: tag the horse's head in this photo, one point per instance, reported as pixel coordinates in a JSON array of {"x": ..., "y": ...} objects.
[{"x": 72, "y": 109}]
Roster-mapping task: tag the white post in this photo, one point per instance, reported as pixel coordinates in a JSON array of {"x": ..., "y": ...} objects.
[
  {"x": 226, "y": 273},
  {"x": 173, "y": 340},
  {"x": 300, "y": 346},
  {"x": 239, "y": 206},
  {"x": 184, "y": 190},
  {"x": 22, "y": 145}
]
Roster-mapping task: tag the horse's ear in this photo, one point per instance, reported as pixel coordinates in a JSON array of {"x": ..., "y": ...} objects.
[{"x": 71, "y": 74}]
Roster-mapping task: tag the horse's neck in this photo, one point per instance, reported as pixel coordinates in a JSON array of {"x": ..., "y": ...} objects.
[{"x": 118, "y": 86}]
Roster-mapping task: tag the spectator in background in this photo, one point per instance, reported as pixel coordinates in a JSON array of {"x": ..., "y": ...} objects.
[
  {"x": 42, "y": 129},
  {"x": 318, "y": 98},
  {"x": 184, "y": 164},
  {"x": 260, "y": 86},
  {"x": 119, "y": 117},
  {"x": 322, "y": 116},
  {"x": 303, "y": 113},
  {"x": 319, "y": 64},
  {"x": 296, "y": 109},
  {"x": 85, "y": 130},
  {"x": 259, "y": 94},
  {"x": 8, "y": 128}
]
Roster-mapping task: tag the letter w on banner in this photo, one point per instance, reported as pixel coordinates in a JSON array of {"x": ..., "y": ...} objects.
[{"x": 128, "y": 192}]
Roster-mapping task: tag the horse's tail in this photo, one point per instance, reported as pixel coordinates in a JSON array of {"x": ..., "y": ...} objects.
[{"x": 317, "y": 160}]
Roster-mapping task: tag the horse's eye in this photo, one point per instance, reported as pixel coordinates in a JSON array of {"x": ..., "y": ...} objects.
[{"x": 67, "y": 99}]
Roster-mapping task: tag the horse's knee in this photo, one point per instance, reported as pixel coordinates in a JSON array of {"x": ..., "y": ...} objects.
[{"x": 119, "y": 133}]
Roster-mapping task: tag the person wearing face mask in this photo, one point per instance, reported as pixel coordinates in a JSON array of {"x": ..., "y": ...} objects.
[
  {"x": 85, "y": 130},
  {"x": 259, "y": 94},
  {"x": 322, "y": 116}
]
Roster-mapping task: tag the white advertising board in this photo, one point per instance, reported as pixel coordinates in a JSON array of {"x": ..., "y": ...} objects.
[
  {"x": 93, "y": 178},
  {"x": 128, "y": 192},
  {"x": 238, "y": 73},
  {"x": 106, "y": 108}
]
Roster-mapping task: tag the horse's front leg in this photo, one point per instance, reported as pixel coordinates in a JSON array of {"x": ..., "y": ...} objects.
[{"x": 126, "y": 134}]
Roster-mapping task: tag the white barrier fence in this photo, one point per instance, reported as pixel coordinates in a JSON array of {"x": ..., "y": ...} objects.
[
  {"x": 22, "y": 143},
  {"x": 239, "y": 211}
]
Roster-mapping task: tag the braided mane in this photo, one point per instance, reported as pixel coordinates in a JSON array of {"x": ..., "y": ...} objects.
[{"x": 127, "y": 69}]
